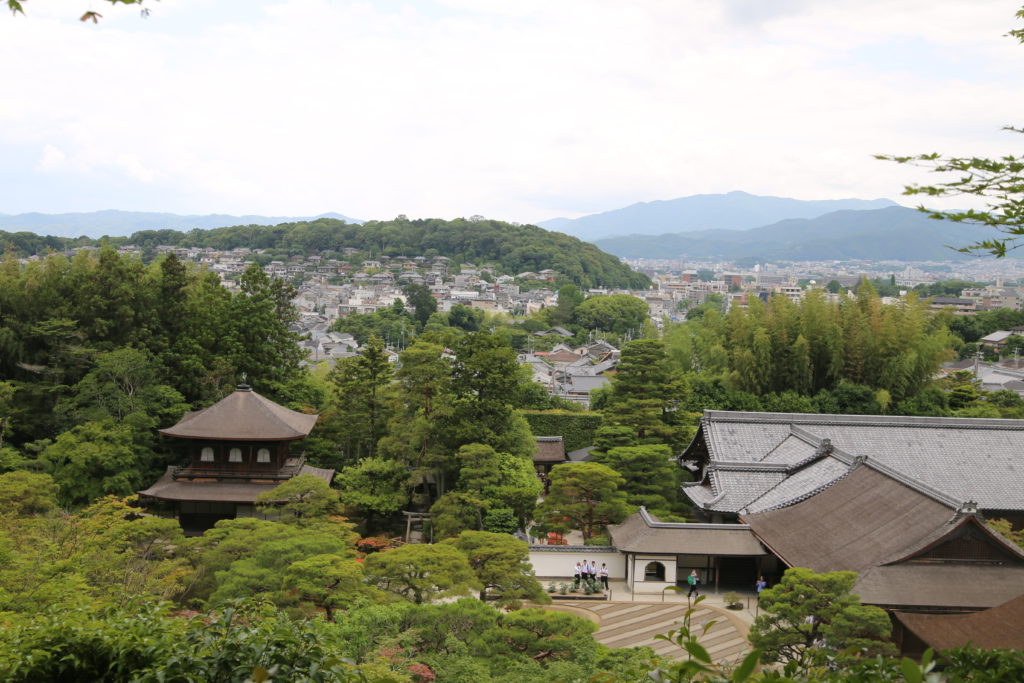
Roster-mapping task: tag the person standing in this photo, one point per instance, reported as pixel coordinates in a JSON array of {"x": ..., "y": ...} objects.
[
  {"x": 593, "y": 571},
  {"x": 576, "y": 571},
  {"x": 604, "y": 575},
  {"x": 693, "y": 580},
  {"x": 760, "y": 586}
]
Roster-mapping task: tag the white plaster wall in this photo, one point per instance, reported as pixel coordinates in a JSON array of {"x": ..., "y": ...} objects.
[
  {"x": 549, "y": 564},
  {"x": 640, "y": 563}
]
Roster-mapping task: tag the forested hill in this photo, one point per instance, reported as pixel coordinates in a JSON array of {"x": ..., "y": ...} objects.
[{"x": 516, "y": 248}]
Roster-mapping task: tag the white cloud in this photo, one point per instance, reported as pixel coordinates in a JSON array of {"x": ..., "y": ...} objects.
[
  {"x": 51, "y": 160},
  {"x": 519, "y": 110}
]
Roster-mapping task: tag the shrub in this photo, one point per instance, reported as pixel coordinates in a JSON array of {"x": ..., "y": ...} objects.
[{"x": 576, "y": 428}]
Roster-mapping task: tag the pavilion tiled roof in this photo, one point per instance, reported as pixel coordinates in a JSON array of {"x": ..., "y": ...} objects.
[
  {"x": 963, "y": 459},
  {"x": 243, "y": 415},
  {"x": 220, "y": 490}
]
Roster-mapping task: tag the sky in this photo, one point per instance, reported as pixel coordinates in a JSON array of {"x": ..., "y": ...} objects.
[{"x": 519, "y": 110}]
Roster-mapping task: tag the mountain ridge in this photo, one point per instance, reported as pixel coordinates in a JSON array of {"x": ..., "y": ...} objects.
[
  {"x": 736, "y": 210},
  {"x": 893, "y": 233}
]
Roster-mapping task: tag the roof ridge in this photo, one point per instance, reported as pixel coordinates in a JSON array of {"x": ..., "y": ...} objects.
[
  {"x": 802, "y": 497},
  {"x": 862, "y": 420},
  {"x": 646, "y": 517},
  {"x": 918, "y": 486}
]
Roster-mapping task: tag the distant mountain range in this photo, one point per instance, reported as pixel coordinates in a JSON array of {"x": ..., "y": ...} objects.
[
  {"x": 124, "y": 223},
  {"x": 893, "y": 233},
  {"x": 732, "y": 211}
]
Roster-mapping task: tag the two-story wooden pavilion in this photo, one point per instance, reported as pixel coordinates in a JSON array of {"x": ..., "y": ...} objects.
[{"x": 238, "y": 448}]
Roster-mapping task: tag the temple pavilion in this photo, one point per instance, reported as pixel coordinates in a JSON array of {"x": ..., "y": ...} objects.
[{"x": 237, "y": 448}]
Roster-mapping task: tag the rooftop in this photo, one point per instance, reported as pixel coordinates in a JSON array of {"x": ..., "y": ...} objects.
[
  {"x": 748, "y": 455},
  {"x": 243, "y": 415}
]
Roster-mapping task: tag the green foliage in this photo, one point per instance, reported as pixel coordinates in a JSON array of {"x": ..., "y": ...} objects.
[
  {"x": 465, "y": 317},
  {"x": 569, "y": 299},
  {"x": 387, "y": 323},
  {"x": 997, "y": 180},
  {"x": 328, "y": 582},
  {"x": 104, "y": 553},
  {"x": 650, "y": 475},
  {"x": 95, "y": 459},
  {"x": 585, "y": 496},
  {"x": 375, "y": 486},
  {"x": 1005, "y": 528},
  {"x": 299, "y": 500},
  {"x": 485, "y": 379},
  {"x": 502, "y": 566},
  {"x": 514, "y": 248},
  {"x": 421, "y": 573},
  {"x": 806, "y": 614},
  {"x": 101, "y": 336},
  {"x": 359, "y": 401},
  {"x": 645, "y": 395},
  {"x": 814, "y": 346},
  {"x": 124, "y": 383},
  {"x": 251, "y": 642},
  {"x": 501, "y": 521},
  {"x": 576, "y": 428},
  {"x": 255, "y": 558},
  {"x": 617, "y": 313},
  {"x": 422, "y": 400},
  {"x": 26, "y": 493},
  {"x": 422, "y": 301}
]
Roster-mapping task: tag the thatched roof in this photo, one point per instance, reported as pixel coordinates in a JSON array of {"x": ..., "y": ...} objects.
[
  {"x": 243, "y": 415},
  {"x": 998, "y": 627},
  {"x": 549, "y": 449}
]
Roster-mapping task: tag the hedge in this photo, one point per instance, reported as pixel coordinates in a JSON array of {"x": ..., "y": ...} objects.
[{"x": 576, "y": 428}]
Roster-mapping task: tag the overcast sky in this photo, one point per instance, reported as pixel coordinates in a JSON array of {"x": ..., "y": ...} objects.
[{"x": 514, "y": 109}]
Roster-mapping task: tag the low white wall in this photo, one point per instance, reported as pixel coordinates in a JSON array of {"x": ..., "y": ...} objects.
[{"x": 557, "y": 561}]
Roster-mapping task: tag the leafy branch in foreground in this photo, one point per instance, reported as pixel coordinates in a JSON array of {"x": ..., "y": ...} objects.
[
  {"x": 698, "y": 664},
  {"x": 18, "y": 7},
  {"x": 1000, "y": 180}
]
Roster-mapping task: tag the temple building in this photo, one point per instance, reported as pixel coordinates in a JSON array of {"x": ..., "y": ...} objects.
[
  {"x": 237, "y": 449},
  {"x": 901, "y": 501},
  {"x": 748, "y": 463}
]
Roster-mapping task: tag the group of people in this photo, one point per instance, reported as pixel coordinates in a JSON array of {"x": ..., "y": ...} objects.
[{"x": 589, "y": 570}]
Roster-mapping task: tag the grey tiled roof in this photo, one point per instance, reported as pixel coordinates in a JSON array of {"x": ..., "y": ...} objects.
[
  {"x": 792, "y": 450},
  {"x": 741, "y": 487},
  {"x": 801, "y": 484},
  {"x": 963, "y": 459}
]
